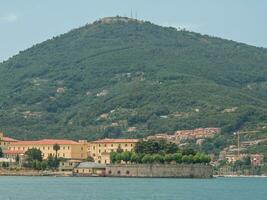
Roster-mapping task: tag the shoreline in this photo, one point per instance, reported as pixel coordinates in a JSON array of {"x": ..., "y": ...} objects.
[
  {"x": 69, "y": 174},
  {"x": 240, "y": 176}
]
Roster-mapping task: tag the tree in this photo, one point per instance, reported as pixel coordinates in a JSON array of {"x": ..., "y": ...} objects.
[
  {"x": 56, "y": 148},
  {"x": 113, "y": 157},
  {"x": 17, "y": 158},
  {"x": 178, "y": 157},
  {"x": 155, "y": 146},
  {"x": 134, "y": 158},
  {"x": 90, "y": 159},
  {"x": 50, "y": 162},
  {"x": 169, "y": 158},
  {"x": 147, "y": 159},
  {"x": 34, "y": 155},
  {"x": 1, "y": 153},
  {"x": 157, "y": 158},
  {"x": 126, "y": 156},
  {"x": 118, "y": 158},
  {"x": 185, "y": 159}
]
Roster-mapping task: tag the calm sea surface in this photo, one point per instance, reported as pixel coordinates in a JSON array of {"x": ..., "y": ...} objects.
[{"x": 51, "y": 188}]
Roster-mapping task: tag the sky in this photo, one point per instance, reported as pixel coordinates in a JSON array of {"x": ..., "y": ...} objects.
[{"x": 24, "y": 23}]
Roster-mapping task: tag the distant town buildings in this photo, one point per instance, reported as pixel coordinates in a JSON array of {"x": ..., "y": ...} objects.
[
  {"x": 178, "y": 136},
  {"x": 257, "y": 159},
  {"x": 199, "y": 133}
]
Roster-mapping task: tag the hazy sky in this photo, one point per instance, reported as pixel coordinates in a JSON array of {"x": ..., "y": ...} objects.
[{"x": 27, "y": 22}]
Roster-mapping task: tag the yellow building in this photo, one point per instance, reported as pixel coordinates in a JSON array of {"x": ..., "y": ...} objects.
[
  {"x": 100, "y": 150},
  {"x": 5, "y": 141},
  {"x": 69, "y": 149}
]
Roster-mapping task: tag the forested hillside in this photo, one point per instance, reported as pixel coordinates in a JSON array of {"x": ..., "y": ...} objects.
[{"x": 120, "y": 77}]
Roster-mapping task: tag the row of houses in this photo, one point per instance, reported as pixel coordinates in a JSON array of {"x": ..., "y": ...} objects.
[
  {"x": 178, "y": 136},
  {"x": 71, "y": 150}
]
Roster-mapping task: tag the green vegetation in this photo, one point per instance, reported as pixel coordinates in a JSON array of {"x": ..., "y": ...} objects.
[
  {"x": 141, "y": 75},
  {"x": 159, "y": 152},
  {"x": 1, "y": 153},
  {"x": 34, "y": 160}
]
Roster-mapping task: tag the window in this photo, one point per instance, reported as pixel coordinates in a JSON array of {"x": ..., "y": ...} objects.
[
  {"x": 111, "y": 145},
  {"x": 99, "y": 151},
  {"x": 63, "y": 154},
  {"x": 82, "y": 148},
  {"x": 99, "y": 145},
  {"x": 105, "y": 145},
  {"x": 48, "y": 148},
  {"x": 43, "y": 148},
  {"x": 119, "y": 172},
  {"x": 131, "y": 145},
  {"x": 126, "y": 145},
  {"x": 109, "y": 172},
  {"x": 127, "y": 172},
  {"x": 94, "y": 147},
  {"x": 64, "y": 148},
  {"x": 68, "y": 148}
]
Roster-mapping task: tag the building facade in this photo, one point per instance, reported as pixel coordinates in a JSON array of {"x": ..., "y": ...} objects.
[
  {"x": 69, "y": 149},
  {"x": 89, "y": 169},
  {"x": 100, "y": 150},
  {"x": 6, "y": 141},
  {"x": 257, "y": 159}
]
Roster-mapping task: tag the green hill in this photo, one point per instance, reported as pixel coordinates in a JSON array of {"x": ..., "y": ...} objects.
[{"x": 100, "y": 79}]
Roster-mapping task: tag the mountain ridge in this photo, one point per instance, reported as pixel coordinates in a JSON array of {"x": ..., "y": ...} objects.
[{"x": 142, "y": 71}]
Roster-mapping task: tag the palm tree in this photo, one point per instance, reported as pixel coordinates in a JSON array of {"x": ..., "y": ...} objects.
[{"x": 56, "y": 147}]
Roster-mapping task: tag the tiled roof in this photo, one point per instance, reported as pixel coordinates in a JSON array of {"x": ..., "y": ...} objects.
[
  {"x": 46, "y": 142},
  {"x": 8, "y": 139},
  {"x": 107, "y": 140},
  {"x": 90, "y": 165}
]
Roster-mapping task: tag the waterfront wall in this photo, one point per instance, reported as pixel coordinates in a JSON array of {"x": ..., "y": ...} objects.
[{"x": 159, "y": 170}]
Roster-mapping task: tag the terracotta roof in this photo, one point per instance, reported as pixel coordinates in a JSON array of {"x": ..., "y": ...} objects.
[
  {"x": 46, "y": 142},
  {"x": 107, "y": 140},
  {"x": 8, "y": 139},
  {"x": 13, "y": 151}
]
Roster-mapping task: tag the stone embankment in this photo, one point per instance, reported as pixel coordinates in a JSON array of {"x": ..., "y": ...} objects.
[{"x": 160, "y": 170}]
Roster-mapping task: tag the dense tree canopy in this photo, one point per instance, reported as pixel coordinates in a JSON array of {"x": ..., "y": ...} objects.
[{"x": 98, "y": 80}]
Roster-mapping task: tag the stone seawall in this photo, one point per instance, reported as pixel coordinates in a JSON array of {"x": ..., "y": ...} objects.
[{"x": 159, "y": 170}]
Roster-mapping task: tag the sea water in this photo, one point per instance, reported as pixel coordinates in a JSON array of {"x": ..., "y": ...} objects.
[{"x": 72, "y": 188}]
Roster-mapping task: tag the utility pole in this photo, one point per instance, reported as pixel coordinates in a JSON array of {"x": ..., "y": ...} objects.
[{"x": 238, "y": 144}]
